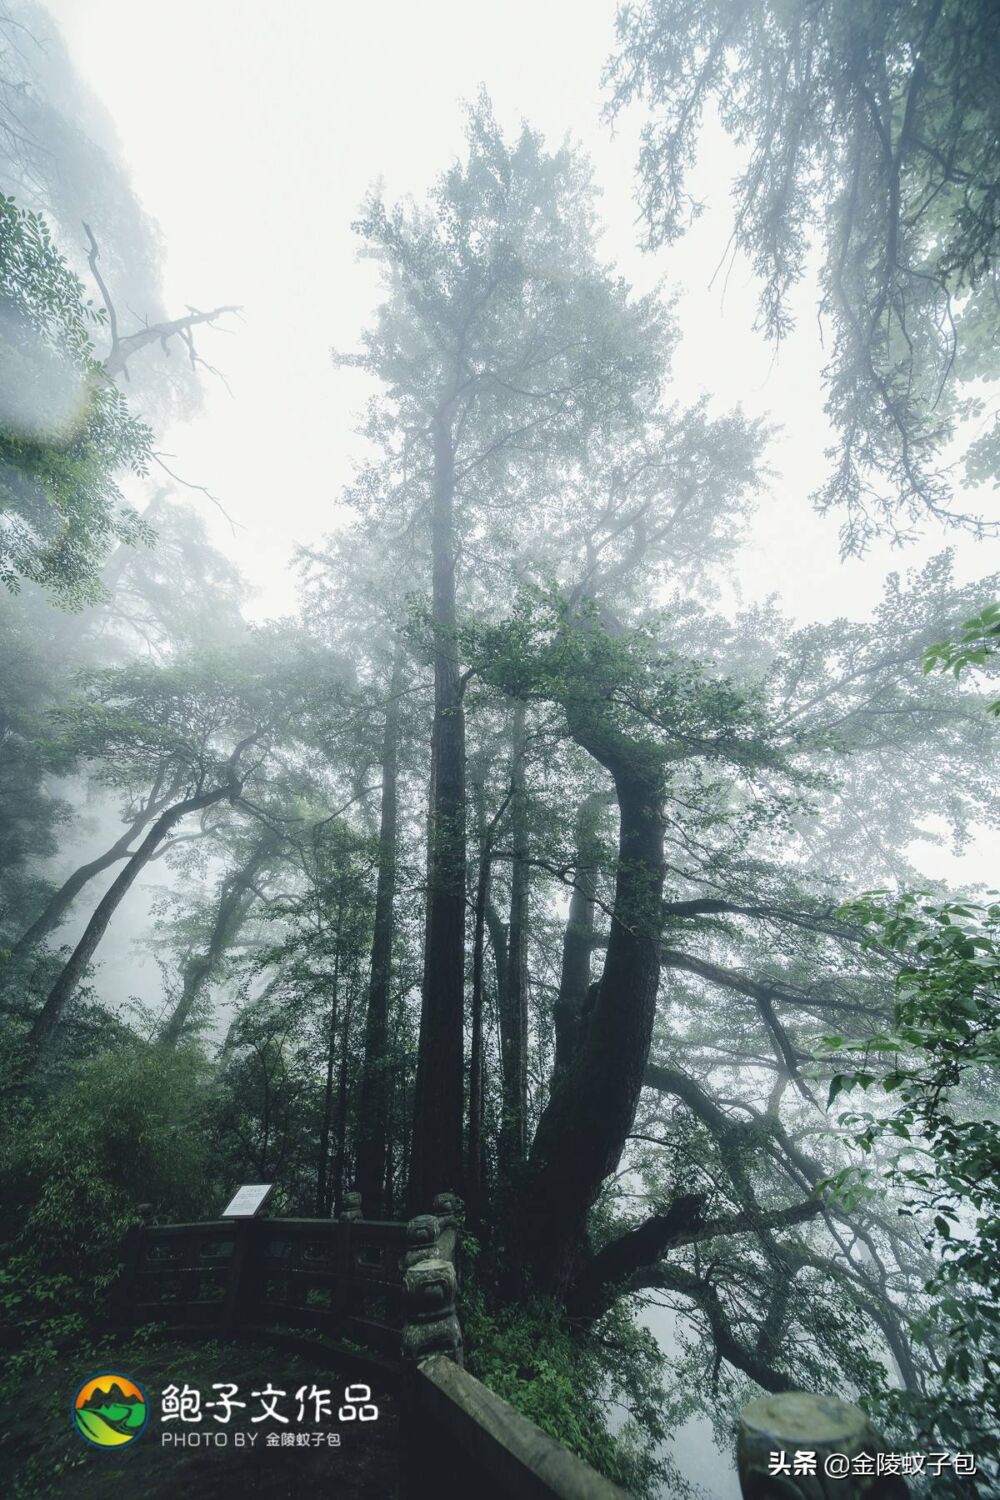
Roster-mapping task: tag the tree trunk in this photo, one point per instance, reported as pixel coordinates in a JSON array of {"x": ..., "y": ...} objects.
[
  {"x": 497, "y": 928},
  {"x": 373, "y": 1118},
  {"x": 340, "y": 1153},
  {"x": 436, "y": 1154},
  {"x": 578, "y": 937},
  {"x": 388, "y": 1196},
  {"x": 513, "y": 999},
  {"x": 586, "y": 1122},
  {"x": 231, "y": 912},
  {"x": 474, "y": 1156},
  {"x": 323, "y": 1195},
  {"x": 62, "y": 899},
  {"x": 65, "y": 986},
  {"x": 396, "y": 1152}
]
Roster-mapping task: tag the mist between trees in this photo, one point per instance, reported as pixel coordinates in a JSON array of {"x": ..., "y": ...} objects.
[{"x": 513, "y": 863}]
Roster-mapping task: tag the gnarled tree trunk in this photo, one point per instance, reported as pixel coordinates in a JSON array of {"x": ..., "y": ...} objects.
[
  {"x": 578, "y": 937},
  {"x": 586, "y": 1122}
]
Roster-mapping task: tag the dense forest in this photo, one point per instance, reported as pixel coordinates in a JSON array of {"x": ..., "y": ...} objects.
[{"x": 521, "y": 860}]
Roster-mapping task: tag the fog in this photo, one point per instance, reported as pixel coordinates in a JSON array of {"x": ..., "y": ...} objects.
[{"x": 221, "y": 154}]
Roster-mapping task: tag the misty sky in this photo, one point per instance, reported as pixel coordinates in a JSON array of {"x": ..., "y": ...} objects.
[{"x": 252, "y": 132}]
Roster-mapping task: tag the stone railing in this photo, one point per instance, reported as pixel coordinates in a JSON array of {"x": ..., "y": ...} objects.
[
  {"x": 430, "y": 1283},
  {"x": 464, "y": 1440},
  {"x": 388, "y": 1287}
]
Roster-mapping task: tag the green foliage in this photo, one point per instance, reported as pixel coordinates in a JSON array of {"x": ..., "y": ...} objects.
[
  {"x": 977, "y": 646},
  {"x": 527, "y": 1354},
  {"x": 549, "y": 649},
  {"x": 125, "y": 1128},
  {"x": 941, "y": 1135},
  {"x": 65, "y": 430},
  {"x": 177, "y": 722},
  {"x": 855, "y": 693},
  {"x": 274, "y": 1115},
  {"x": 501, "y": 330}
]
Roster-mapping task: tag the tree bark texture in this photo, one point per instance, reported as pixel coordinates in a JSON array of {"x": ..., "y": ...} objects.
[
  {"x": 586, "y": 1122},
  {"x": 436, "y": 1163}
]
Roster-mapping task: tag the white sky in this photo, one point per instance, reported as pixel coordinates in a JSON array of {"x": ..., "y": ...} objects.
[{"x": 252, "y": 131}]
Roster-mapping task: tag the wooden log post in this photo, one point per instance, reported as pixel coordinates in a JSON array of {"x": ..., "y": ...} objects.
[{"x": 785, "y": 1442}]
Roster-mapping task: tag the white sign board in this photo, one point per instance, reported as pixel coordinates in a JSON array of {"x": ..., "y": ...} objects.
[{"x": 248, "y": 1201}]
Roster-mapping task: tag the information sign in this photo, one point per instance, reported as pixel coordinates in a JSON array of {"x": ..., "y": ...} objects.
[{"x": 248, "y": 1201}]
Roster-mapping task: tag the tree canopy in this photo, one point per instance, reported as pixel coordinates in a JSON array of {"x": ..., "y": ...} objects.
[
  {"x": 869, "y": 131},
  {"x": 65, "y": 430}
]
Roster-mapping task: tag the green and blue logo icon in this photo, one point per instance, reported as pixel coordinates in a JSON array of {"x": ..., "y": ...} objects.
[{"x": 110, "y": 1410}]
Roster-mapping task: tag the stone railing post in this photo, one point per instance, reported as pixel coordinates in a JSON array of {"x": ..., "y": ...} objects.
[
  {"x": 421, "y": 1239},
  {"x": 431, "y": 1326},
  {"x": 430, "y": 1282},
  {"x": 785, "y": 1440},
  {"x": 449, "y": 1210},
  {"x": 350, "y": 1208}
]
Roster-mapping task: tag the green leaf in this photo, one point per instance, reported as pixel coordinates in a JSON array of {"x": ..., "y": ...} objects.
[{"x": 838, "y": 1083}]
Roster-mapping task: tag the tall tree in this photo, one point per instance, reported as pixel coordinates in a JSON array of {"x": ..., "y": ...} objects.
[
  {"x": 500, "y": 343},
  {"x": 512, "y": 1005}
]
